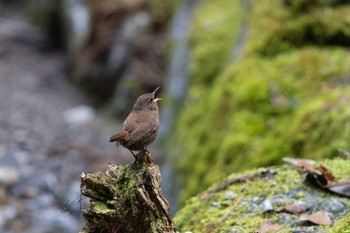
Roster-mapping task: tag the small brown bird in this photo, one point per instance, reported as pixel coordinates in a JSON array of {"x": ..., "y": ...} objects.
[{"x": 141, "y": 127}]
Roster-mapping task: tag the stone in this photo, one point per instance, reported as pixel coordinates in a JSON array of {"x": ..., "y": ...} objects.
[{"x": 8, "y": 175}]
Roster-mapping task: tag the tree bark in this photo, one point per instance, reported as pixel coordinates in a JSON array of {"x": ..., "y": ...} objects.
[{"x": 126, "y": 198}]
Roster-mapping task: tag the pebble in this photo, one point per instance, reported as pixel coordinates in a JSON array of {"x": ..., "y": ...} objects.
[
  {"x": 214, "y": 205},
  {"x": 266, "y": 205},
  {"x": 279, "y": 200},
  {"x": 8, "y": 175},
  {"x": 6, "y": 213},
  {"x": 256, "y": 200},
  {"x": 234, "y": 230},
  {"x": 229, "y": 195}
]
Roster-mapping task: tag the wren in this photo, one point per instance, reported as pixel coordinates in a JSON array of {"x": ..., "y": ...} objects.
[{"x": 141, "y": 126}]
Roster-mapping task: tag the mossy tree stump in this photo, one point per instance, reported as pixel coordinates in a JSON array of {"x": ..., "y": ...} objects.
[{"x": 126, "y": 198}]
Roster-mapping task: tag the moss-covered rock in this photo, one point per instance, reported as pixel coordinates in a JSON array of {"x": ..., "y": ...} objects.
[
  {"x": 287, "y": 94},
  {"x": 242, "y": 202}
]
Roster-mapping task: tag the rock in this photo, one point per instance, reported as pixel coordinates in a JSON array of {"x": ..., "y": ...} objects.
[
  {"x": 8, "y": 175},
  {"x": 333, "y": 205},
  {"x": 266, "y": 205},
  {"x": 6, "y": 213},
  {"x": 278, "y": 200}
]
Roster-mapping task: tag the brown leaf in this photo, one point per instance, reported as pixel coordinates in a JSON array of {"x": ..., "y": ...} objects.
[
  {"x": 268, "y": 226},
  {"x": 301, "y": 163},
  {"x": 319, "y": 176},
  {"x": 327, "y": 174},
  {"x": 318, "y": 218},
  {"x": 293, "y": 209}
]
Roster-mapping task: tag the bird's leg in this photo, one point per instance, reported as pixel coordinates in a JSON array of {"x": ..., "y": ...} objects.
[{"x": 133, "y": 154}]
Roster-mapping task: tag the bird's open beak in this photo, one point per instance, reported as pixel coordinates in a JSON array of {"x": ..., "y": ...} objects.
[{"x": 154, "y": 93}]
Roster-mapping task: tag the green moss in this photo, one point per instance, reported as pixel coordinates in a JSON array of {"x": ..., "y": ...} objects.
[
  {"x": 260, "y": 110},
  {"x": 278, "y": 27},
  {"x": 100, "y": 207},
  {"x": 213, "y": 34},
  {"x": 212, "y": 210},
  {"x": 340, "y": 226}
]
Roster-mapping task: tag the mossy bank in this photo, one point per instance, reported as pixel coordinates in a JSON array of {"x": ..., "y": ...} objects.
[
  {"x": 286, "y": 94},
  {"x": 244, "y": 204}
]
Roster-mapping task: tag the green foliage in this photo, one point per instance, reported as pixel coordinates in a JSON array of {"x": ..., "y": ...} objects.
[{"x": 286, "y": 96}]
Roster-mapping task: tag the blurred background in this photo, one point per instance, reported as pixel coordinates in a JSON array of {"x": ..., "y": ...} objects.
[{"x": 244, "y": 83}]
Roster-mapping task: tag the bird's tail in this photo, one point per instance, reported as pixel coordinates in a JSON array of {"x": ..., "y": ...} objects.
[{"x": 120, "y": 135}]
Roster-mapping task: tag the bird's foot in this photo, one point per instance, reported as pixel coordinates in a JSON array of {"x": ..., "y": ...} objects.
[{"x": 133, "y": 154}]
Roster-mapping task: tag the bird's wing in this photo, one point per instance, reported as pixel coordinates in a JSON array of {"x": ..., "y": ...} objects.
[{"x": 140, "y": 129}]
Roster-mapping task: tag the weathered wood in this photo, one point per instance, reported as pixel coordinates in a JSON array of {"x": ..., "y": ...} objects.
[{"x": 126, "y": 198}]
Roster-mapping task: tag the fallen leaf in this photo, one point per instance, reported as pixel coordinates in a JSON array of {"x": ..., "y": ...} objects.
[
  {"x": 318, "y": 218},
  {"x": 341, "y": 188},
  {"x": 319, "y": 176},
  {"x": 327, "y": 174},
  {"x": 301, "y": 163},
  {"x": 268, "y": 226},
  {"x": 292, "y": 208}
]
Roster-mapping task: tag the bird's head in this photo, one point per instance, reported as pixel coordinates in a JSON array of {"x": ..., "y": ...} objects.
[{"x": 147, "y": 101}]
